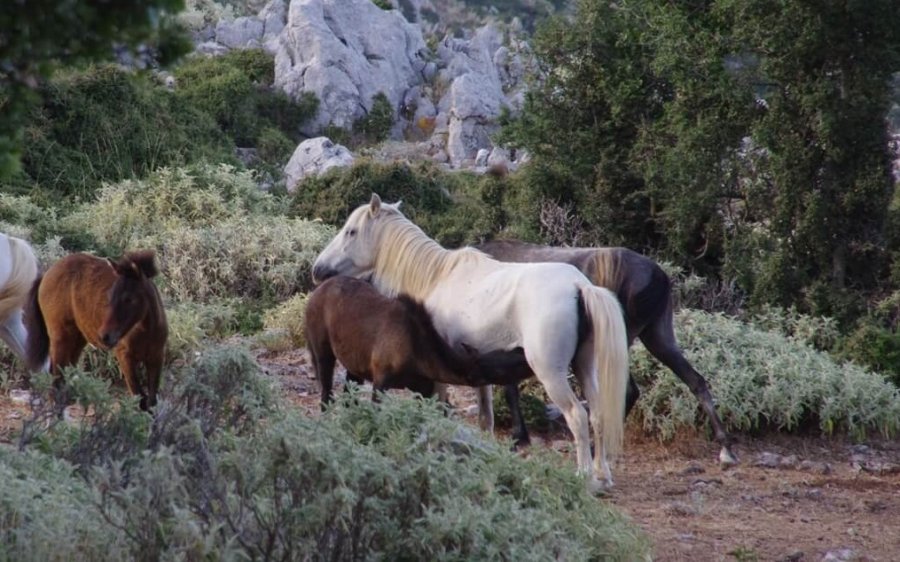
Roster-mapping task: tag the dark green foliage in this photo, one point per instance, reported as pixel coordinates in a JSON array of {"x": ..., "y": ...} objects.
[
  {"x": 383, "y": 4},
  {"x": 274, "y": 147},
  {"x": 532, "y": 403},
  {"x": 454, "y": 209},
  {"x": 236, "y": 89},
  {"x": 376, "y": 125},
  {"x": 40, "y": 35},
  {"x": 719, "y": 133},
  {"x": 875, "y": 346},
  {"x": 105, "y": 124}
]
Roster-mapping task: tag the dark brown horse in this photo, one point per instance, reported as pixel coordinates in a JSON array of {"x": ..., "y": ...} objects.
[
  {"x": 391, "y": 342},
  {"x": 110, "y": 304},
  {"x": 645, "y": 292}
]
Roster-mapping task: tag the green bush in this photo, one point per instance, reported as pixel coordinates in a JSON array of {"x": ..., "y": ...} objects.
[
  {"x": 127, "y": 213},
  {"x": 288, "y": 318},
  {"x": 236, "y": 90},
  {"x": 274, "y": 147},
  {"x": 453, "y": 208},
  {"x": 376, "y": 125},
  {"x": 250, "y": 257},
  {"x": 762, "y": 380},
  {"x": 106, "y": 124},
  {"x": 205, "y": 479}
]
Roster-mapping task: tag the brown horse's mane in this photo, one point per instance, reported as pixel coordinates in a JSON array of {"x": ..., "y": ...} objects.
[
  {"x": 428, "y": 334},
  {"x": 145, "y": 260}
]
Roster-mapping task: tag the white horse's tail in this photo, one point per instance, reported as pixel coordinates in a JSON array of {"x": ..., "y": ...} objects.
[
  {"x": 22, "y": 275},
  {"x": 611, "y": 353}
]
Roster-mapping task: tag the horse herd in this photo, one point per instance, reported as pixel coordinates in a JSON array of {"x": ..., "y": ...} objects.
[{"x": 397, "y": 309}]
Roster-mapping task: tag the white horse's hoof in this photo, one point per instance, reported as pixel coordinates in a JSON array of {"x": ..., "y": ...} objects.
[
  {"x": 598, "y": 487},
  {"x": 727, "y": 459}
]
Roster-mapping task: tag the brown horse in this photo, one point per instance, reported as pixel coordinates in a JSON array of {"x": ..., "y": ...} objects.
[
  {"x": 110, "y": 304},
  {"x": 391, "y": 342},
  {"x": 645, "y": 292}
]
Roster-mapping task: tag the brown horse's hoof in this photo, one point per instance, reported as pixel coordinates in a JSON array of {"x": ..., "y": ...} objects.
[{"x": 727, "y": 459}]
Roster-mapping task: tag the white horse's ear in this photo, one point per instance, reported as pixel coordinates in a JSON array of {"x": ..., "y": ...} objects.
[{"x": 374, "y": 204}]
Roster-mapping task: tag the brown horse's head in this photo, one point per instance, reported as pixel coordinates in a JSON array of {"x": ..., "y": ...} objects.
[{"x": 131, "y": 296}]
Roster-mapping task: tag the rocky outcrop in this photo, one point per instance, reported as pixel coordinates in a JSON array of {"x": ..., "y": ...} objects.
[
  {"x": 315, "y": 157},
  {"x": 345, "y": 52}
]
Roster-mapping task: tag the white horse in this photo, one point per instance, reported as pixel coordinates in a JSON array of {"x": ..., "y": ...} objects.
[
  {"x": 548, "y": 309},
  {"x": 18, "y": 270}
]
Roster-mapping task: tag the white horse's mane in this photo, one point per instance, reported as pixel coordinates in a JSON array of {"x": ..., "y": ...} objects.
[{"x": 410, "y": 262}]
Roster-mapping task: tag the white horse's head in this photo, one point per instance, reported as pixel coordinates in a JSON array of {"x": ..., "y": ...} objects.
[{"x": 354, "y": 249}]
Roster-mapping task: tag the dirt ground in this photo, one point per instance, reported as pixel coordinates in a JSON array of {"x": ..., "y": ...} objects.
[{"x": 792, "y": 498}]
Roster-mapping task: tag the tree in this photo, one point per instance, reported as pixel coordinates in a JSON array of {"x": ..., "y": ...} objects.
[
  {"x": 724, "y": 133},
  {"x": 39, "y": 35}
]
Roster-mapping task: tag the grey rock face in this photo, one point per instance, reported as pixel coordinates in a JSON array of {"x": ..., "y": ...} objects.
[{"x": 345, "y": 52}]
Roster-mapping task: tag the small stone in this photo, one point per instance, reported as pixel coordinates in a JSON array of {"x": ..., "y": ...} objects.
[
  {"x": 840, "y": 555},
  {"x": 767, "y": 460},
  {"x": 693, "y": 468}
]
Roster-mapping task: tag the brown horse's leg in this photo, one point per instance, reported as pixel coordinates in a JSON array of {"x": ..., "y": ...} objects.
[
  {"x": 129, "y": 367},
  {"x": 65, "y": 349},
  {"x": 153, "y": 371},
  {"x": 323, "y": 362},
  {"x": 659, "y": 339}
]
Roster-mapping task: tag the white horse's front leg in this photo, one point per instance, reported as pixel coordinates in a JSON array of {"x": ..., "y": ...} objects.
[{"x": 486, "y": 408}]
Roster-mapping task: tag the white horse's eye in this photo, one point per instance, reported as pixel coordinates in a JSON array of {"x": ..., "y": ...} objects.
[{"x": 351, "y": 232}]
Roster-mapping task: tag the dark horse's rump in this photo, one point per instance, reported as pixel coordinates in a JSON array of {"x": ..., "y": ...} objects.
[
  {"x": 645, "y": 292},
  {"x": 391, "y": 342},
  {"x": 113, "y": 305}
]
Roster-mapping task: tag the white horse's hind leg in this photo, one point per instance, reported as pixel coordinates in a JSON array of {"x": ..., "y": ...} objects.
[
  {"x": 486, "y": 408},
  {"x": 586, "y": 372},
  {"x": 554, "y": 380},
  {"x": 12, "y": 331}
]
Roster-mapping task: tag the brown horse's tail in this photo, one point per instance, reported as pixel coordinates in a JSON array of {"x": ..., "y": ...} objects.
[{"x": 37, "y": 345}]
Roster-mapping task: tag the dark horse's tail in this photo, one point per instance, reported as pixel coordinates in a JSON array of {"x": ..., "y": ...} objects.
[{"x": 37, "y": 344}]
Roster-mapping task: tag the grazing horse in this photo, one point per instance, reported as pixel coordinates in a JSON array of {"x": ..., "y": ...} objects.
[
  {"x": 18, "y": 270},
  {"x": 645, "y": 292},
  {"x": 391, "y": 342},
  {"x": 550, "y": 310},
  {"x": 110, "y": 304}
]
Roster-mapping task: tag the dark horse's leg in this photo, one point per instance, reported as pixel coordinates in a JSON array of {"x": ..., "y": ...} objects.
[
  {"x": 659, "y": 339},
  {"x": 520, "y": 431}
]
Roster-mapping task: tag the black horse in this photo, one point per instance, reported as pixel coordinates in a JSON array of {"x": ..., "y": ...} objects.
[{"x": 645, "y": 292}]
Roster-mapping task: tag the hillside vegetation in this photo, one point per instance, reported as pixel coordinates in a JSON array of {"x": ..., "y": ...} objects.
[{"x": 791, "y": 316}]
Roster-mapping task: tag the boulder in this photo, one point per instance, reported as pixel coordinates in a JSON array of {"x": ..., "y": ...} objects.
[{"x": 315, "y": 156}]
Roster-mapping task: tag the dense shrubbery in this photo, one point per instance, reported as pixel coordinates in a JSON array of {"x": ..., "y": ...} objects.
[
  {"x": 205, "y": 479},
  {"x": 236, "y": 90},
  {"x": 216, "y": 234},
  {"x": 453, "y": 208},
  {"x": 106, "y": 124},
  {"x": 763, "y": 379}
]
